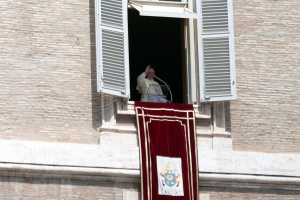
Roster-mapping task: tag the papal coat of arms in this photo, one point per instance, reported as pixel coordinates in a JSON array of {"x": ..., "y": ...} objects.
[{"x": 169, "y": 176}]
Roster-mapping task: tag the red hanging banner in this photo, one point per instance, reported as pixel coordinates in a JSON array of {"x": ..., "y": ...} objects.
[{"x": 168, "y": 151}]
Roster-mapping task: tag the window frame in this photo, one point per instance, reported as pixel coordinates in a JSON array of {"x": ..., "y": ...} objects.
[
  {"x": 193, "y": 38},
  {"x": 163, "y": 9}
]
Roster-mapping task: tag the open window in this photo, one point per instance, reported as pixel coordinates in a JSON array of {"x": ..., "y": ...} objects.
[
  {"x": 156, "y": 41},
  {"x": 204, "y": 33}
]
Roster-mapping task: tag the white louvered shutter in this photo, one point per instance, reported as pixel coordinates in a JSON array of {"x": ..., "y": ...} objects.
[
  {"x": 217, "y": 62},
  {"x": 112, "y": 47}
]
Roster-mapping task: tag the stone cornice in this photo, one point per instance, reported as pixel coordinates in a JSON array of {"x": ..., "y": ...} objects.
[{"x": 100, "y": 162}]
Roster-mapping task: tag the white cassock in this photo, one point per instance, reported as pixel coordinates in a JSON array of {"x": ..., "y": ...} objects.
[{"x": 150, "y": 90}]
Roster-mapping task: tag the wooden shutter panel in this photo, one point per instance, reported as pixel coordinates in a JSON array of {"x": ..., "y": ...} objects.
[
  {"x": 112, "y": 47},
  {"x": 217, "y": 64}
]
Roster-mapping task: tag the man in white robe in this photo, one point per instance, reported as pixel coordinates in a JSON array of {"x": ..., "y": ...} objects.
[{"x": 150, "y": 90}]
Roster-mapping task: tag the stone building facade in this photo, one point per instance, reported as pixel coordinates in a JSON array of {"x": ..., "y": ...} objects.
[{"x": 61, "y": 139}]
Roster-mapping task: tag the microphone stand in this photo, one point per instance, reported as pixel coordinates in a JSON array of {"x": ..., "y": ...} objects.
[{"x": 166, "y": 85}]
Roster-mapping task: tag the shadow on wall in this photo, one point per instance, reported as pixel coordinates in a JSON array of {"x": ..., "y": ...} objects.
[
  {"x": 96, "y": 97},
  {"x": 227, "y": 116}
]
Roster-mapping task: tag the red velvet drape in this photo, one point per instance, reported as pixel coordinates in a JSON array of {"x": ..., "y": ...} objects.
[{"x": 167, "y": 129}]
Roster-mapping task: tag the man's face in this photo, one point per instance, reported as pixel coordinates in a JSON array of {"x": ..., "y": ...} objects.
[{"x": 151, "y": 74}]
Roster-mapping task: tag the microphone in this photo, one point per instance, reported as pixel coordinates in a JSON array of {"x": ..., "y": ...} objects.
[{"x": 166, "y": 85}]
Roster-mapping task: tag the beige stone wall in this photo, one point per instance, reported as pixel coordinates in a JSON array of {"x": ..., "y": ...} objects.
[
  {"x": 67, "y": 189},
  {"x": 30, "y": 188},
  {"x": 48, "y": 79},
  {"x": 48, "y": 93},
  {"x": 266, "y": 116},
  {"x": 47, "y": 71}
]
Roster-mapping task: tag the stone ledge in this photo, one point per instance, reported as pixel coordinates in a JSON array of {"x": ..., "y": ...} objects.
[
  {"x": 86, "y": 173},
  {"x": 106, "y": 156},
  {"x": 249, "y": 178},
  {"x": 133, "y": 130},
  {"x": 118, "y": 129},
  {"x": 251, "y": 169},
  {"x": 126, "y": 112},
  {"x": 204, "y": 134},
  {"x": 251, "y": 163},
  {"x": 221, "y": 134},
  {"x": 133, "y": 175},
  {"x": 249, "y": 181},
  {"x": 131, "y": 111}
]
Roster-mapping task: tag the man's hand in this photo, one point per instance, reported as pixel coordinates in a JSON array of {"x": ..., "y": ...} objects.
[{"x": 147, "y": 69}]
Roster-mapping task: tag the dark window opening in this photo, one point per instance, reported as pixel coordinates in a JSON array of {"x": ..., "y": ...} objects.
[{"x": 156, "y": 41}]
